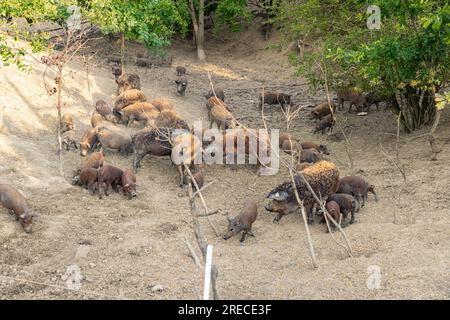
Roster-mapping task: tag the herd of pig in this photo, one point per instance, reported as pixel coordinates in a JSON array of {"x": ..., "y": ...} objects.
[{"x": 342, "y": 197}]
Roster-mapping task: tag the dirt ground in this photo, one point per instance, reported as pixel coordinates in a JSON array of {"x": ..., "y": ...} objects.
[{"x": 124, "y": 248}]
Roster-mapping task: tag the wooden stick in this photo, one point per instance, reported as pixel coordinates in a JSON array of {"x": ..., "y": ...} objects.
[
  {"x": 192, "y": 252},
  {"x": 305, "y": 221},
  {"x": 208, "y": 214},
  {"x": 328, "y": 216},
  {"x": 203, "y": 188},
  {"x": 202, "y": 200},
  {"x": 201, "y": 242}
]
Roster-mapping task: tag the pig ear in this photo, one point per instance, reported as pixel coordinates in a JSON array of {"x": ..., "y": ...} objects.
[
  {"x": 279, "y": 195},
  {"x": 126, "y": 186},
  {"x": 89, "y": 145},
  {"x": 23, "y": 216}
]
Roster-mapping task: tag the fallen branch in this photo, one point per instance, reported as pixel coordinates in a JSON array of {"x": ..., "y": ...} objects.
[
  {"x": 208, "y": 213},
  {"x": 305, "y": 221},
  {"x": 200, "y": 240},
  {"x": 217, "y": 233},
  {"x": 203, "y": 188},
  {"x": 192, "y": 253}
]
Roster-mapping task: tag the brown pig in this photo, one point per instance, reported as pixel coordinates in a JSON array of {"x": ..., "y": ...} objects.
[
  {"x": 14, "y": 201},
  {"x": 356, "y": 98},
  {"x": 88, "y": 141},
  {"x": 199, "y": 179},
  {"x": 242, "y": 222},
  {"x": 94, "y": 160},
  {"x": 102, "y": 107},
  {"x": 321, "y": 148},
  {"x": 322, "y": 110},
  {"x": 66, "y": 122},
  {"x": 68, "y": 140},
  {"x": 129, "y": 184},
  {"x": 89, "y": 179},
  {"x": 310, "y": 156},
  {"x": 334, "y": 211},
  {"x": 96, "y": 119},
  {"x": 181, "y": 71},
  {"x": 109, "y": 176},
  {"x": 114, "y": 139},
  {"x": 162, "y": 104}
]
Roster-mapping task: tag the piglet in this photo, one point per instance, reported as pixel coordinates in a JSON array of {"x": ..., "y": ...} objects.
[
  {"x": 13, "y": 200},
  {"x": 242, "y": 222}
]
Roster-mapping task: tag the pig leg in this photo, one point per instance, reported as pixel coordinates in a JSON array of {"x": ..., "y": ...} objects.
[
  {"x": 309, "y": 214},
  {"x": 352, "y": 218},
  {"x": 243, "y": 236},
  {"x": 360, "y": 199},
  {"x": 181, "y": 175},
  {"x": 249, "y": 232},
  {"x": 137, "y": 161},
  {"x": 350, "y": 107},
  {"x": 277, "y": 218}
]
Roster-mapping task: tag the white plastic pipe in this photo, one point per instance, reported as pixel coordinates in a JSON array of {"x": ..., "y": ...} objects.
[{"x": 208, "y": 264}]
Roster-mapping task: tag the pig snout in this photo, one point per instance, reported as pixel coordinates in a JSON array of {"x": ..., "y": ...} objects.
[
  {"x": 132, "y": 194},
  {"x": 83, "y": 152},
  {"x": 226, "y": 236},
  {"x": 27, "y": 229}
]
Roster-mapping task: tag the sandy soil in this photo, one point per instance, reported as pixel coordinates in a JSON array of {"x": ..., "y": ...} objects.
[{"x": 123, "y": 248}]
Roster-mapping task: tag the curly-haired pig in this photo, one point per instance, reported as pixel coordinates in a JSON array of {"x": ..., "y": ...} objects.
[
  {"x": 242, "y": 222},
  {"x": 170, "y": 119},
  {"x": 221, "y": 117},
  {"x": 14, "y": 201},
  {"x": 127, "y": 81},
  {"x": 128, "y": 98},
  {"x": 163, "y": 104}
]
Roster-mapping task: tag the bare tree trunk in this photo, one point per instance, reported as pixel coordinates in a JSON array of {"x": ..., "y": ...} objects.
[
  {"x": 201, "y": 31},
  {"x": 2, "y": 109},
  {"x": 202, "y": 242},
  {"x": 434, "y": 148},
  {"x": 58, "y": 107},
  {"x": 122, "y": 52},
  {"x": 199, "y": 27}
]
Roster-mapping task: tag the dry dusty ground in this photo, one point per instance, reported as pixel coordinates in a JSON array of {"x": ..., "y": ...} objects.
[{"x": 123, "y": 248}]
